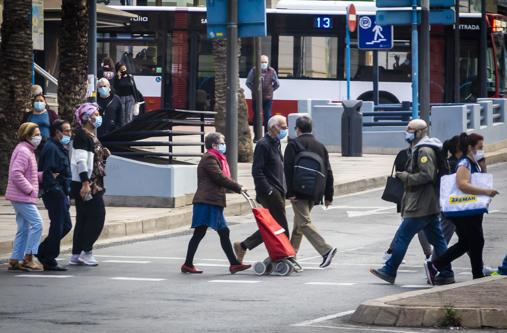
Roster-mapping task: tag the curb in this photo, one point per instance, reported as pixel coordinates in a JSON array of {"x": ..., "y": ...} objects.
[{"x": 382, "y": 312}]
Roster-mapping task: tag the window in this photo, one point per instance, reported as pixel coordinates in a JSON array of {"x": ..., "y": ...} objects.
[
  {"x": 247, "y": 61},
  {"x": 286, "y": 56}
]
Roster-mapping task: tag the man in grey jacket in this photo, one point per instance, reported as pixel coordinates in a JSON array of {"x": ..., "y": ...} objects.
[{"x": 420, "y": 207}]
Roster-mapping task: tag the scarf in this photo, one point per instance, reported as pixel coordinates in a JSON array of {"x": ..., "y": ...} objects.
[{"x": 221, "y": 158}]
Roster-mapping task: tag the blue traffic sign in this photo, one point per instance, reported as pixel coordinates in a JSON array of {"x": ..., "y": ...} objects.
[
  {"x": 404, "y": 17},
  {"x": 408, "y": 3},
  {"x": 373, "y": 36}
]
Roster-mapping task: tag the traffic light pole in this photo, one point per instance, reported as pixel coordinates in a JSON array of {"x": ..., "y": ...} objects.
[
  {"x": 425, "y": 62},
  {"x": 92, "y": 48},
  {"x": 415, "y": 63},
  {"x": 231, "y": 122},
  {"x": 257, "y": 92}
]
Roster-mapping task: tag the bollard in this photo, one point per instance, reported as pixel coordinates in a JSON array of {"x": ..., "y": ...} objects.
[{"x": 352, "y": 129}]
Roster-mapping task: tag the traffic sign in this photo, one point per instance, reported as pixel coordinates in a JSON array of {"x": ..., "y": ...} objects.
[
  {"x": 404, "y": 17},
  {"x": 373, "y": 36},
  {"x": 408, "y": 3},
  {"x": 351, "y": 17}
]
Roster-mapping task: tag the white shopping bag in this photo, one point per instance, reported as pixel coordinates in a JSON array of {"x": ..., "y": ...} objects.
[{"x": 455, "y": 203}]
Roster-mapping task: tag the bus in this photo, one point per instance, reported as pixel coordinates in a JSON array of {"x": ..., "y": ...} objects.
[{"x": 171, "y": 58}]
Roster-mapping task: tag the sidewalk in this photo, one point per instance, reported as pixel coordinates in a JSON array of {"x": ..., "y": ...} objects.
[
  {"x": 351, "y": 174},
  {"x": 477, "y": 303}
]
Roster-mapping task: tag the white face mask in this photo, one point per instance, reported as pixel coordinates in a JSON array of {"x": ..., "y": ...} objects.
[
  {"x": 36, "y": 140},
  {"x": 479, "y": 155}
]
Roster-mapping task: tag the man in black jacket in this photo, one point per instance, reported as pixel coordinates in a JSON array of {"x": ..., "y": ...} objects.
[
  {"x": 303, "y": 204},
  {"x": 109, "y": 108},
  {"x": 269, "y": 179},
  {"x": 55, "y": 166}
]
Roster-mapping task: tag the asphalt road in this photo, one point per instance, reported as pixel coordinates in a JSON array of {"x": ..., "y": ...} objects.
[{"x": 138, "y": 286}]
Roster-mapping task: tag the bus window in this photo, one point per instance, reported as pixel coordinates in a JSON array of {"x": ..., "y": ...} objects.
[
  {"x": 500, "y": 61},
  {"x": 286, "y": 56},
  {"x": 205, "y": 75},
  {"x": 247, "y": 61},
  {"x": 319, "y": 57},
  {"x": 469, "y": 69}
]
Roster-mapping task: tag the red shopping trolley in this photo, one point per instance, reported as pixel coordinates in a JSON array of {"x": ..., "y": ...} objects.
[{"x": 281, "y": 260}]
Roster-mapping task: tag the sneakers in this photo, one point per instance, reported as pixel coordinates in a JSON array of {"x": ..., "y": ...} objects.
[
  {"x": 30, "y": 264},
  {"x": 430, "y": 271},
  {"x": 443, "y": 280},
  {"x": 328, "y": 257},
  {"x": 88, "y": 259},
  {"x": 238, "y": 268},
  {"x": 55, "y": 268},
  {"x": 488, "y": 271},
  {"x": 190, "y": 269},
  {"x": 239, "y": 251},
  {"x": 75, "y": 260},
  {"x": 382, "y": 274}
]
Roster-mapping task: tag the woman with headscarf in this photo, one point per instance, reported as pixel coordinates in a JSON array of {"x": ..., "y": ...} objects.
[{"x": 87, "y": 188}]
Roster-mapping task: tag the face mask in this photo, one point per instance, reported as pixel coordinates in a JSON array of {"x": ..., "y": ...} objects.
[
  {"x": 479, "y": 155},
  {"x": 409, "y": 136},
  {"x": 264, "y": 66},
  {"x": 104, "y": 91},
  {"x": 98, "y": 122},
  {"x": 39, "y": 106},
  {"x": 65, "y": 140},
  {"x": 36, "y": 140},
  {"x": 222, "y": 148},
  {"x": 282, "y": 134}
]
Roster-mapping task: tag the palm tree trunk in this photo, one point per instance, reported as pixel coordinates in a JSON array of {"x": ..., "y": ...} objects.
[
  {"x": 73, "y": 46},
  {"x": 245, "y": 146},
  {"x": 16, "y": 54}
]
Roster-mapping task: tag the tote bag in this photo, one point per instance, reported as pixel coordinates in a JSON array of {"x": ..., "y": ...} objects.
[
  {"x": 455, "y": 203},
  {"x": 394, "y": 189}
]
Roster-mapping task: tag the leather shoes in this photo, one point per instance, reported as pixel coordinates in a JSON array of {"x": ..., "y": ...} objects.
[
  {"x": 54, "y": 269},
  {"x": 238, "y": 268},
  {"x": 190, "y": 269}
]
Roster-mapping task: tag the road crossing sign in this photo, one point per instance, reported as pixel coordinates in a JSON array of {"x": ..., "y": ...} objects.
[{"x": 373, "y": 36}]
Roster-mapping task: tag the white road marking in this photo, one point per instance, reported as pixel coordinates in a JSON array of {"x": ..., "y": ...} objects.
[
  {"x": 121, "y": 278},
  {"x": 44, "y": 276},
  {"x": 352, "y": 249},
  {"x": 136, "y": 257},
  {"x": 330, "y": 283},
  {"x": 235, "y": 281},
  {"x": 416, "y": 286},
  {"x": 465, "y": 273},
  {"x": 309, "y": 258},
  {"x": 358, "y": 328},
  {"x": 406, "y": 271},
  {"x": 211, "y": 265},
  {"x": 356, "y": 213},
  {"x": 127, "y": 261},
  {"x": 321, "y": 319}
]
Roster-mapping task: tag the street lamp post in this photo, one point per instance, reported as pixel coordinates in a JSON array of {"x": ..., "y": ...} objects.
[
  {"x": 232, "y": 88},
  {"x": 92, "y": 48}
]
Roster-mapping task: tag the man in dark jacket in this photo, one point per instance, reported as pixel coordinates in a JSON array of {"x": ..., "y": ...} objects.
[
  {"x": 420, "y": 207},
  {"x": 109, "y": 108},
  {"x": 303, "y": 204},
  {"x": 269, "y": 179},
  {"x": 55, "y": 165}
]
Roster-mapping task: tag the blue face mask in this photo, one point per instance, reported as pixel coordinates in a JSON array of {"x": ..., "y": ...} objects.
[
  {"x": 222, "y": 148},
  {"x": 264, "y": 66},
  {"x": 282, "y": 134},
  {"x": 39, "y": 106},
  {"x": 409, "y": 136},
  {"x": 98, "y": 122},
  {"x": 104, "y": 91},
  {"x": 65, "y": 140}
]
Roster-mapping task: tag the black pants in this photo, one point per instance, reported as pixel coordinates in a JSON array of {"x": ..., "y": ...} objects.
[
  {"x": 57, "y": 204},
  {"x": 470, "y": 240},
  {"x": 90, "y": 217},
  {"x": 225, "y": 241},
  {"x": 275, "y": 203}
]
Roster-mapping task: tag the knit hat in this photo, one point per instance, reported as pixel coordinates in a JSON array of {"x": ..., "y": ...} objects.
[{"x": 84, "y": 111}]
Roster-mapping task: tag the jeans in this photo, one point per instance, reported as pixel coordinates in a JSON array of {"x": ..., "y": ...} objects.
[
  {"x": 266, "y": 109},
  {"x": 503, "y": 269},
  {"x": 407, "y": 230},
  {"x": 29, "y": 230},
  {"x": 57, "y": 203}
]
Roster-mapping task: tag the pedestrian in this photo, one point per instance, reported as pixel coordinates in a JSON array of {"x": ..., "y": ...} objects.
[
  {"x": 23, "y": 193},
  {"x": 269, "y": 83},
  {"x": 110, "y": 108},
  {"x": 54, "y": 163},
  {"x": 269, "y": 180},
  {"x": 502, "y": 270},
  {"x": 305, "y": 147},
  {"x": 213, "y": 179},
  {"x": 468, "y": 228},
  {"x": 107, "y": 69},
  {"x": 42, "y": 116},
  {"x": 420, "y": 206},
  {"x": 87, "y": 188},
  {"x": 125, "y": 87}
]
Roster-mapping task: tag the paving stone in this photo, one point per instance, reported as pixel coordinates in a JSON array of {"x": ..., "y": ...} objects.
[
  {"x": 433, "y": 317},
  {"x": 387, "y": 316},
  {"x": 410, "y": 317},
  {"x": 470, "y": 318},
  {"x": 496, "y": 318}
]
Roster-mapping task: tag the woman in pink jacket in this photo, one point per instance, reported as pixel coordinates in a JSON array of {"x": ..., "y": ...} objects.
[{"x": 23, "y": 192}]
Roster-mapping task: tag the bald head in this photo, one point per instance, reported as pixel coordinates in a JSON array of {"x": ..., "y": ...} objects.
[
  {"x": 417, "y": 124},
  {"x": 418, "y": 129}
]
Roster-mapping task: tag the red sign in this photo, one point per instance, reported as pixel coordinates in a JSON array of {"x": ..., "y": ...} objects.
[{"x": 351, "y": 17}]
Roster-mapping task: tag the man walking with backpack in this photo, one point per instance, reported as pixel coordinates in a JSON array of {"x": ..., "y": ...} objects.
[
  {"x": 420, "y": 207},
  {"x": 309, "y": 179}
]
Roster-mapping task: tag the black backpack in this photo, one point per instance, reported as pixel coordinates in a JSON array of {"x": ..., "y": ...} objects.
[
  {"x": 310, "y": 173},
  {"x": 443, "y": 167}
]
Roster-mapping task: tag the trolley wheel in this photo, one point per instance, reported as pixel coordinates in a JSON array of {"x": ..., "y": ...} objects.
[
  {"x": 282, "y": 268},
  {"x": 260, "y": 268}
]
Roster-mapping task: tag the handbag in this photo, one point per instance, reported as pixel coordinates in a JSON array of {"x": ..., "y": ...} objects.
[
  {"x": 393, "y": 192},
  {"x": 137, "y": 108},
  {"x": 455, "y": 203}
]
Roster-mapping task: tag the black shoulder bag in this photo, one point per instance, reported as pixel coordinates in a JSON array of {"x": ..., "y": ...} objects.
[{"x": 394, "y": 189}]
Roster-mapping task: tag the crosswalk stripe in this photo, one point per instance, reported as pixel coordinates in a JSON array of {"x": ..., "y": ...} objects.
[
  {"x": 235, "y": 281},
  {"x": 44, "y": 276},
  {"x": 325, "y": 318},
  {"x": 120, "y": 278},
  {"x": 330, "y": 283},
  {"x": 416, "y": 286},
  {"x": 127, "y": 261}
]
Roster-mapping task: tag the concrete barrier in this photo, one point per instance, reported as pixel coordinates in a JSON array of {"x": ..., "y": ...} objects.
[
  {"x": 291, "y": 122},
  {"x": 139, "y": 184},
  {"x": 327, "y": 124},
  {"x": 306, "y": 105}
]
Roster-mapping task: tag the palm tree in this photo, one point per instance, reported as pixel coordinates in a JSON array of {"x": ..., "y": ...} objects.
[
  {"x": 245, "y": 147},
  {"x": 73, "y": 46},
  {"x": 15, "y": 76}
]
